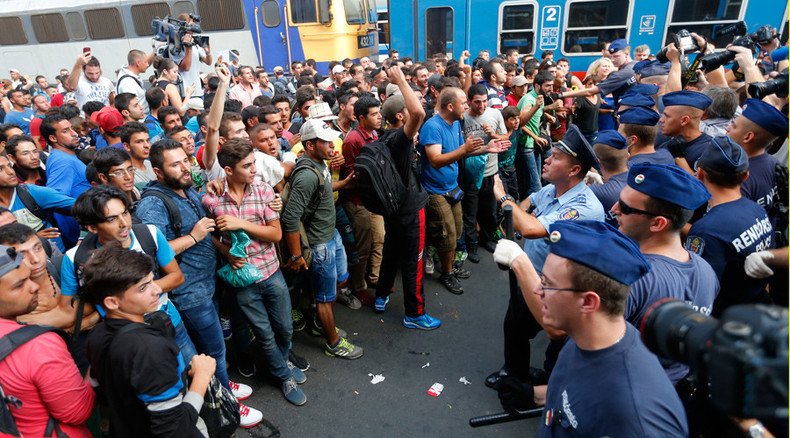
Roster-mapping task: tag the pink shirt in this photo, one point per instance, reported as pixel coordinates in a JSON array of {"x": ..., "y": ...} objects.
[
  {"x": 42, "y": 374},
  {"x": 244, "y": 95}
]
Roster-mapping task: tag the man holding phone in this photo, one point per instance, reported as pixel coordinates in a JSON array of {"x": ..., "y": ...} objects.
[{"x": 87, "y": 82}]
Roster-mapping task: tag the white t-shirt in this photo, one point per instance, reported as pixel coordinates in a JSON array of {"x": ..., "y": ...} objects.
[
  {"x": 268, "y": 169},
  {"x": 192, "y": 76},
  {"x": 132, "y": 85},
  {"x": 473, "y": 125},
  {"x": 93, "y": 91}
]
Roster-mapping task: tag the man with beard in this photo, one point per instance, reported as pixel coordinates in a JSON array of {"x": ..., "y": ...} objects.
[{"x": 26, "y": 157}]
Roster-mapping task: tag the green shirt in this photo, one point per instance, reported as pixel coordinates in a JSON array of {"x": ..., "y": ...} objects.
[
  {"x": 304, "y": 204},
  {"x": 533, "y": 124}
]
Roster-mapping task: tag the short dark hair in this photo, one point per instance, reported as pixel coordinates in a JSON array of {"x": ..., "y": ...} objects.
[
  {"x": 645, "y": 134},
  {"x": 91, "y": 174},
  {"x": 158, "y": 149},
  {"x": 93, "y": 62},
  {"x": 613, "y": 293},
  {"x": 543, "y": 77},
  {"x": 280, "y": 98},
  {"x": 88, "y": 209},
  {"x": 230, "y": 117},
  {"x": 345, "y": 97},
  {"x": 364, "y": 104},
  {"x": 15, "y": 233},
  {"x": 111, "y": 270},
  {"x": 722, "y": 179},
  {"x": 123, "y": 100},
  {"x": 546, "y": 54},
  {"x": 155, "y": 96},
  {"x": 170, "y": 133},
  {"x": 5, "y": 127},
  {"x": 166, "y": 111},
  {"x": 232, "y": 106},
  {"x": 106, "y": 158},
  {"x": 477, "y": 90},
  {"x": 233, "y": 151},
  {"x": 488, "y": 69},
  {"x": 510, "y": 111},
  {"x": 676, "y": 214},
  {"x": 262, "y": 100},
  {"x": 265, "y": 111},
  {"x": 48, "y": 125},
  {"x": 13, "y": 142},
  {"x": 130, "y": 128},
  {"x": 69, "y": 111},
  {"x": 91, "y": 107}
]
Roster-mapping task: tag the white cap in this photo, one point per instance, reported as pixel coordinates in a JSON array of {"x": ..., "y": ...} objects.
[
  {"x": 392, "y": 89},
  {"x": 314, "y": 128},
  {"x": 195, "y": 103},
  {"x": 338, "y": 69},
  {"x": 321, "y": 111},
  {"x": 13, "y": 70}
]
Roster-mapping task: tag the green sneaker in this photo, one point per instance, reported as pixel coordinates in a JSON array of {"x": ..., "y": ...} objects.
[
  {"x": 317, "y": 330},
  {"x": 343, "y": 350},
  {"x": 299, "y": 322}
]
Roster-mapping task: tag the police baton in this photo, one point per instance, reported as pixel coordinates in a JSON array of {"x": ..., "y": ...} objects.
[{"x": 504, "y": 417}]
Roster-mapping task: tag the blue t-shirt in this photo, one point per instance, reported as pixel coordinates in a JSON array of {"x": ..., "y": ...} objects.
[
  {"x": 724, "y": 237},
  {"x": 578, "y": 203},
  {"x": 760, "y": 187},
  {"x": 660, "y": 156},
  {"x": 692, "y": 282},
  {"x": 155, "y": 131},
  {"x": 608, "y": 193},
  {"x": 617, "y": 391},
  {"x": 437, "y": 131},
  {"x": 20, "y": 118},
  {"x": 46, "y": 198},
  {"x": 198, "y": 263}
]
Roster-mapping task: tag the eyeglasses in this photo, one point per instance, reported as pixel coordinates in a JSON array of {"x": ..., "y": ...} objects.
[
  {"x": 543, "y": 289},
  {"x": 120, "y": 173},
  {"x": 627, "y": 209}
]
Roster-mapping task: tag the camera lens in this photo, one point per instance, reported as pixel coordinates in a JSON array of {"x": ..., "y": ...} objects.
[
  {"x": 778, "y": 86},
  {"x": 715, "y": 60},
  {"x": 674, "y": 330}
]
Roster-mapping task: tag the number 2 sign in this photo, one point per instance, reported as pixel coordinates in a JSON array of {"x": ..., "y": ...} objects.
[{"x": 550, "y": 27}]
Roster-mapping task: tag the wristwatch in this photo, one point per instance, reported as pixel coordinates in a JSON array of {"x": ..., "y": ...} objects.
[
  {"x": 296, "y": 257},
  {"x": 757, "y": 430},
  {"x": 506, "y": 198}
]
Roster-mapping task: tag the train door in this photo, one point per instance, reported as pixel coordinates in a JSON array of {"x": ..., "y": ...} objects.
[
  {"x": 271, "y": 33},
  {"x": 441, "y": 27},
  {"x": 516, "y": 26}
]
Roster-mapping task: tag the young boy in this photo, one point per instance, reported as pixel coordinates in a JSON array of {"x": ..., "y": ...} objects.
[{"x": 507, "y": 159}]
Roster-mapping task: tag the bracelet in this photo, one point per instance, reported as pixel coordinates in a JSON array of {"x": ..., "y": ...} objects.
[
  {"x": 506, "y": 198},
  {"x": 193, "y": 238}
]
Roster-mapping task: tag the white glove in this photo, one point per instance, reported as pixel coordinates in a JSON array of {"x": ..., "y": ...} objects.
[
  {"x": 756, "y": 266},
  {"x": 507, "y": 251},
  {"x": 593, "y": 178}
]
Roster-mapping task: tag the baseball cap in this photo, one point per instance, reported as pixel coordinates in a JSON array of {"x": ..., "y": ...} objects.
[
  {"x": 314, "y": 128},
  {"x": 9, "y": 259},
  {"x": 195, "y": 103},
  {"x": 108, "y": 119},
  {"x": 519, "y": 81},
  {"x": 321, "y": 111},
  {"x": 392, "y": 106},
  {"x": 338, "y": 69},
  {"x": 392, "y": 89}
]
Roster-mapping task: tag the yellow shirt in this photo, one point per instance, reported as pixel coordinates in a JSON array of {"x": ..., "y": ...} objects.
[{"x": 298, "y": 150}]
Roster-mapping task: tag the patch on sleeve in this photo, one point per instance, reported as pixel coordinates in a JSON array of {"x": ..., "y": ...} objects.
[
  {"x": 695, "y": 244},
  {"x": 569, "y": 214}
]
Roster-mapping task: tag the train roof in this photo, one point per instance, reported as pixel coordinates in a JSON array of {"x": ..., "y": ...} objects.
[{"x": 10, "y": 7}]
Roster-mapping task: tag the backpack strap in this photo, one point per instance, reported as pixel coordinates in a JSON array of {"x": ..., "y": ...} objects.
[
  {"x": 80, "y": 257},
  {"x": 17, "y": 338},
  {"x": 172, "y": 209},
  {"x": 118, "y": 84},
  {"x": 36, "y": 210},
  {"x": 321, "y": 191},
  {"x": 143, "y": 235}
]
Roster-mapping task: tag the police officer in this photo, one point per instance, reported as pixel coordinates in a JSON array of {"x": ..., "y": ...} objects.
[
  {"x": 653, "y": 209},
  {"x": 611, "y": 151},
  {"x": 567, "y": 197},
  {"x": 682, "y": 114},
  {"x": 618, "y": 82},
  {"x": 605, "y": 382},
  {"x": 733, "y": 227}
]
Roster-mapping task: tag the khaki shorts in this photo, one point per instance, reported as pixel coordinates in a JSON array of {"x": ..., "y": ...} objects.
[{"x": 444, "y": 223}]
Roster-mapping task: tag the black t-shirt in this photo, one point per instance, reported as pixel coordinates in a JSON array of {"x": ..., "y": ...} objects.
[
  {"x": 406, "y": 159},
  {"x": 586, "y": 115}
]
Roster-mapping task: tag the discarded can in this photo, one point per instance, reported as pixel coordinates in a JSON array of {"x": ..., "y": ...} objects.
[{"x": 435, "y": 389}]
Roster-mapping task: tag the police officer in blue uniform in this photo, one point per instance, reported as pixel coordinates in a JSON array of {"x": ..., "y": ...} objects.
[
  {"x": 618, "y": 82},
  {"x": 610, "y": 150},
  {"x": 653, "y": 209},
  {"x": 605, "y": 382},
  {"x": 567, "y": 197},
  {"x": 733, "y": 227},
  {"x": 682, "y": 114},
  {"x": 639, "y": 126}
]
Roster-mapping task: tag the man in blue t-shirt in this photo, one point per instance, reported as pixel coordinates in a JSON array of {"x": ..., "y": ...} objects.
[
  {"x": 681, "y": 118},
  {"x": 653, "y": 209},
  {"x": 605, "y": 382},
  {"x": 20, "y": 114},
  {"x": 441, "y": 147},
  {"x": 733, "y": 227}
]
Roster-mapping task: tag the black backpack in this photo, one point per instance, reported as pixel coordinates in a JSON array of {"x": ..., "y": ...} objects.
[
  {"x": 379, "y": 184},
  {"x": 8, "y": 344},
  {"x": 36, "y": 210}
]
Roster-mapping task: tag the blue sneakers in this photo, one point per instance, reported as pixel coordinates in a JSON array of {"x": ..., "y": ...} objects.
[
  {"x": 293, "y": 393},
  {"x": 298, "y": 375},
  {"x": 422, "y": 322},
  {"x": 381, "y": 304}
]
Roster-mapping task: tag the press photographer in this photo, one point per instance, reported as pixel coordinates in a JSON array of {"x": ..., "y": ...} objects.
[{"x": 185, "y": 45}]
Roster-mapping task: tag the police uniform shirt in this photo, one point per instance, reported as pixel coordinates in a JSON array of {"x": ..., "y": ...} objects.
[
  {"x": 577, "y": 203},
  {"x": 692, "y": 282},
  {"x": 724, "y": 237},
  {"x": 618, "y": 82},
  {"x": 693, "y": 148},
  {"x": 660, "y": 156},
  {"x": 617, "y": 391},
  {"x": 760, "y": 187},
  {"x": 608, "y": 193}
]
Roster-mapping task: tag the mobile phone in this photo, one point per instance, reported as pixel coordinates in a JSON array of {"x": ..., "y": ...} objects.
[{"x": 86, "y": 50}]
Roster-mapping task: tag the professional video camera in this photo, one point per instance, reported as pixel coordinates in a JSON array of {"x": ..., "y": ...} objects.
[
  {"x": 741, "y": 360},
  {"x": 683, "y": 41},
  {"x": 751, "y": 41},
  {"x": 777, "y": 85},
  {"x": 172, "y": 31}
]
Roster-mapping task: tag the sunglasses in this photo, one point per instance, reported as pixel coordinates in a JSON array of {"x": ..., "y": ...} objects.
[{"x": 627, "y": 209}]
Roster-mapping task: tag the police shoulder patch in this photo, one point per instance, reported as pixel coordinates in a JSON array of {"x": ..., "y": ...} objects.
[
  {"x": 569, "y": 214},
  {"x": 695, "y": 244}
]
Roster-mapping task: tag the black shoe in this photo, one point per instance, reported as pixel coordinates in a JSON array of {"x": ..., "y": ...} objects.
[
  {"x": 450, "y": 281},
  {"x": 246, "y": 368},
  {"x": 461, "y": 273},
  {"x": 298, "y": 361},
  {"x": 489, "y": 246},
  {"x": 494, "y": 377},
  {"x": 472, "y": 256}
]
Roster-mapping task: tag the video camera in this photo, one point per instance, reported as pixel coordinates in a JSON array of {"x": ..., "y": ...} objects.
[
  {"x": 683, "y": 41},
  {"x": 740, "y": 361},
  {"x": 777, "y": 85},
  {"x": 172, "y": 31},
  {"x": 751, "y": 41}
]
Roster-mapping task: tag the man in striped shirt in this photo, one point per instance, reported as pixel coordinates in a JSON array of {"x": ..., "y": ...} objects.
[{"x": 494, "y": 80}]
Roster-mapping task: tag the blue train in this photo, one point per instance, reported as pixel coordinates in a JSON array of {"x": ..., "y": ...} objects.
[{"x": 574, "y": 29}]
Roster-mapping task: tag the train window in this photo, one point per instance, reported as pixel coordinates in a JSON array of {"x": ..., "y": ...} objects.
[
  {"x": 11, "y": 31},
  {"x": 143, "y": 14},
  {"x": 104, "y": 23},
  {"x": 591, "y": 23},
  {"x": 76, "y": 26},
  {"x": 438, "y": 31},
  {"x": 355, "y": 11},
  {"x": 183, "y": 8},
  {"x": 383, "y": 23},
  {"x": 705, "y": 17},
  {"x": 303, "y": 11},
  {"x": 49, "y": 28},
  {"x": 517, "y": 28},
  {"x": 221, "y": 14},
  {"x": 270, "y": 13}
]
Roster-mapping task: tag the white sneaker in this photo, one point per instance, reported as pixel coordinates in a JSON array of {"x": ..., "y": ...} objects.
[
  {"x": 250, "y": 417},
  {"x": 427, "y": 259},
  {"x": 240, "y": 390}
]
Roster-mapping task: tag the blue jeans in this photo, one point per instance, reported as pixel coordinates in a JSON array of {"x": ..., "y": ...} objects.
[
  {"x": 329, "y": 266},
  {"x": 533, "y": 185},
  {"x": 202, "y": 323},
  {"x": 267, "y": 306},
  {"x": 184, "y": 343}
]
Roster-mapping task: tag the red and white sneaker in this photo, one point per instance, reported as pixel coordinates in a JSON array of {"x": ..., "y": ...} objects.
[
  {"x": 240, "y": 390},
  {"x": 250, "y": 417}
]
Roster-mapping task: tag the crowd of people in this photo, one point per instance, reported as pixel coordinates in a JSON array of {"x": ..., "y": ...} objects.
[{"x": 157, "y": 220}]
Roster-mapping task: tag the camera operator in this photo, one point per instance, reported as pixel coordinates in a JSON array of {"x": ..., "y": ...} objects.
[
  {"x": 603, "y": 367},
  {"x": 189, "y": 68}
]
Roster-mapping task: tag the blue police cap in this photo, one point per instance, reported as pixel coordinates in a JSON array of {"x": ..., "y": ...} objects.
[
  {"x": 575, "y": 145},
  {"x": 617, "y": 45},
  {"x": 639, "y": 115},
  {"x": 687, "y": 98},
  {"x": 765, "y": 116},
  {"x": 600, "y": 247},
  {"x": 647, "y": 69},
  {"x": 724, "y": 156},
  {"x": 646, "y": 89},
  {"x": 637, "y": 99},
  {"x": 611, "y": 138},
  {"x": 668, "y": 183}
]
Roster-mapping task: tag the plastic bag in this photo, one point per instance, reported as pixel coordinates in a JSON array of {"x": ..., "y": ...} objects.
[
  {"x": 220, "y": 411},
  {"x": 247, "y": 274}
]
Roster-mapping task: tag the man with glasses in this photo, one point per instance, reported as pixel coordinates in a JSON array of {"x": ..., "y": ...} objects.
[
  {"x": 566, "y": 198},
  {"x": 114, "y": 167},
  {"x": 584, "y": 295}
]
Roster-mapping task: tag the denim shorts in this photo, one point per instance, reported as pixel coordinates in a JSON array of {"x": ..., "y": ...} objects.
[{"x": 329, "y": 266}]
